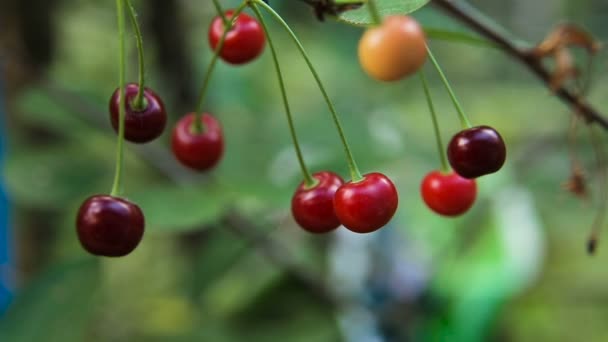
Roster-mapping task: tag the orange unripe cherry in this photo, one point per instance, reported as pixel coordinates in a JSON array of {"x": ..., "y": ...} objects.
[{"x": 393, "y": 50}]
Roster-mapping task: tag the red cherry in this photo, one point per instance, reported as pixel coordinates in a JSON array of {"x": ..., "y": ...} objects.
[
  {"x": 199, "y": 151},
  {"x": 109, "y": 226},
  {"x": 477, "y": 151},
  {"x": 448, "y": 194},
  {"x": 144, "y": 125},
  {"x": 366, "y": 205},
  {"x": 313, "y": 208},
  {"x": 244, "y": 42}
]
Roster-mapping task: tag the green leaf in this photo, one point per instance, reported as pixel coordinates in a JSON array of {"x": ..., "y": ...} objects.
[
  {"x": 178, "y": 209},
  {"x": 361, "y": 15},
  {"x": 55, "y": 307},
  {"x": 55, "y": 177}
]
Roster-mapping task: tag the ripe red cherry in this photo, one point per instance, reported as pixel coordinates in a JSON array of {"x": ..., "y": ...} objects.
[
  {"x": 313, "y": 208},
  {"x": 199, "y": 151},
  {"x": 448, "y": 194},
  {"x": 477, "y": 151},
  {"x": 366, "y": 205},
  {"x": 244, "y": 42},
  {"x": 144, "y": 125},
  {"x": 109, "y": 226}
]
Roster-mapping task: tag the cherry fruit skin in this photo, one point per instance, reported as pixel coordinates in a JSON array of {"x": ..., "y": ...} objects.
[
  {"x": 245, "y": 41},
  {"x": 477, "y": 151},
  {"x": 367, "y": 205},
  {"x": 109, "y": 226},
  {"x": 448, "y": 194},
  {"x": 198, "y": 151},
  {"x": 144, "y": 125},
  {"x": 393, "y": 50},
  {"x": 313, "y": 208}
]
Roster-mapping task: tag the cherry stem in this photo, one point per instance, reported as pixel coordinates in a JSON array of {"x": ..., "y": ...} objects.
[
  {"x": 198, "y": 123},
  {"x": 220, "y": 12},
  {"x": 373, "y": 12},
  {"x": 309, "y": 181},
  {"x": 117, "y": 187},
  {"x": 600, "y": 217},
  {"x": 352, "y": 165},
  {"x": 464, "y": 121},
  {"x": 429, "y": 100},
  {"x": 139, "y": 102}
]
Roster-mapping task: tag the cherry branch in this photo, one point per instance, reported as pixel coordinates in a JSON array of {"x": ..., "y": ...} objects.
[{"x": 463, "y": 13}]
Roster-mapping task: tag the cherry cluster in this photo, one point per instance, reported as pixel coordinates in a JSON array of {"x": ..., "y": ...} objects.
[
  {"x": 395, "y": 48},
  {"x": 109, "y": 225}
]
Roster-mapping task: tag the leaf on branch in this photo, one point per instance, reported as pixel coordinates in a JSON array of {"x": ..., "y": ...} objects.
[
  {"x": 565, "y": 69},
  {"x": 331, "y": 7},
  {"x": 564, "y": 36},
  {"x": 557, "y": 46},
  {"x": 577, "y": 183}
]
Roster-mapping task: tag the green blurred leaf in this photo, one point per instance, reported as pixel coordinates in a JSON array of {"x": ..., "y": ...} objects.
[
  {"x": 55, "y": 308},
  {"x": 361, "y": 15},
  {"x": 177, "y": 209},
  {"x": 54, "y": 177},
  {"x": 41, "y": 109}
]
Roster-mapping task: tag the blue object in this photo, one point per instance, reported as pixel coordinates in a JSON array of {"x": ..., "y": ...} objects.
[{"x": 5, "y": 238}]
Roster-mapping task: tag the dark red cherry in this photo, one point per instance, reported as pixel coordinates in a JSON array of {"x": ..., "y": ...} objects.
[
  {"x": 366, "y": 205},
  {"x": 199, "y": 151},
  {"x": 477, "y": 151},
  {"x": 448, "y": 194},
  {"x": 109, "y": 226},
  {"x": 141, "y": 125},
  {"x": 244, "y": 42},
  {"x": 313, "y": 208}
]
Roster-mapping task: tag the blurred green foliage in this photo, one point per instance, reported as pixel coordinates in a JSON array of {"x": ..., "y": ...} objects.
[{"x": 514, "y": 268}]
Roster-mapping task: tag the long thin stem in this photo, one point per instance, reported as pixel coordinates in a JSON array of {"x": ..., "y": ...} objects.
[
  {"x": 139, "y": 102},
  {"x": 464, "y": 121},
  {"x": 443, "y": 158},
  {"x": 117, "y": 187},
  {"x": 309, "y": 181},
  {"x": 354, "y": 170},
  {"x": 220, "y": 12},
  {"x": 600, "y": 216},
  {"x": 373, "y": 12},
  {"x": 198, "y": 124}
]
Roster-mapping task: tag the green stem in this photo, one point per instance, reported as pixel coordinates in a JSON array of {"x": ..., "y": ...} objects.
[
  {"x": 464, "y": 121},
  {"x": 373, "y": 12},
  {"x": 117, "y": 187},
  {"x": 309, "y": 181},
  {"x": 139, "y": 102},
  {"x": 198, "y": 124},
  {"x": 220, "y": 12},
  {"x": 444, "y": 160},
  {"x": 354, "y": 170}
]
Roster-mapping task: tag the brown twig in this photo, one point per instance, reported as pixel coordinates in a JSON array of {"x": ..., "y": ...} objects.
[{"x": 462, "y": 13}]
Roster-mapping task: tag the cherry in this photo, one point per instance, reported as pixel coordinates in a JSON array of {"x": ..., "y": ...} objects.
[
  {"x": 477, "y": 151},
  {"x": 366, "y": 205},
  {"x": 448, "y": 194},
  {"x": 199, "y": 151},
  {"x": 393, "y": 50},
  {"x": 109, "y": 226},
  {"x": 244, "y": 42},
  {"x": 143, "y": 125},
  {"x": 313, "y": 208}
]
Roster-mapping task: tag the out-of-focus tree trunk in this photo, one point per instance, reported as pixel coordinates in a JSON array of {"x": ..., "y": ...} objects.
[
  {"x": 163, "y": 22},
  {"x": 27, "y": 48}
]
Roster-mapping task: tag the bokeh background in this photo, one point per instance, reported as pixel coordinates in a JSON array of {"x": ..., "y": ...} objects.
[{"x": 222, "y": 260}]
